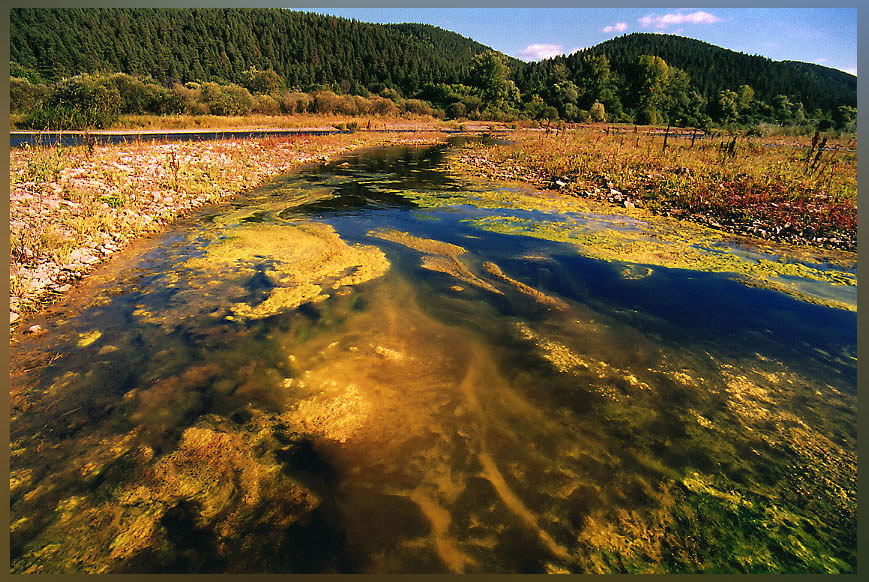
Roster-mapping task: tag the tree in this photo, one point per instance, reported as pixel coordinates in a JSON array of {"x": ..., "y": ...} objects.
[
  {"x": 489, "y": 74},
  {"x": 266, "y": 82},
  {"x": 649, "y": 86},
  {"x": 727, "y": 106},
  {"x": 745, "y": 98},
  {"x": 597, "y": 111}
]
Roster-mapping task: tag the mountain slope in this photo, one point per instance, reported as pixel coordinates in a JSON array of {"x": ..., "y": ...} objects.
[
  {"x": 205, "y": 44},
  {"x": 712, "y": 69}
]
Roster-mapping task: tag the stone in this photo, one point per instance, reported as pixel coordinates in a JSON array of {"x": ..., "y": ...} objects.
[{"x": 35, "y": 330}]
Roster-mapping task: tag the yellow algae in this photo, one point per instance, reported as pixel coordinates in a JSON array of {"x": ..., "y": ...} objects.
[
  {"x": 438, "y": 256},
  {"x": 19, "y": 477},
  {"x": 86, "y": 339},
  {"x": 611, "y": 382},
  {"x": 389, "y": 353},
  {"x": 293, "y": 263},
  {"x": 637, "y": 236},
  {"x": 698, "y": 483},
  {"x": 279, "y": 299},
  {"x": 526, "y": 289},
  {"x": 335, "y": 416},
  {"x": 423, "y": 245}
]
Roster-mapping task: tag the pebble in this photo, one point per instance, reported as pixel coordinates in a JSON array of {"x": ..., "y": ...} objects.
[
  {"x": 13, "y": 317},
  {"x": 35, "y": 330}
]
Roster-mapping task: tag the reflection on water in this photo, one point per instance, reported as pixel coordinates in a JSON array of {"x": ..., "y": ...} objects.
[{"x": 350, "y": 371}]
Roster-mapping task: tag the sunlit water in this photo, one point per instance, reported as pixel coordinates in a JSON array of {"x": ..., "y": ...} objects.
[{"x": 567, "y": 415}]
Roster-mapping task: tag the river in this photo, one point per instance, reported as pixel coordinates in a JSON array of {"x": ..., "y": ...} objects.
[{"x": 382, "y": 365}]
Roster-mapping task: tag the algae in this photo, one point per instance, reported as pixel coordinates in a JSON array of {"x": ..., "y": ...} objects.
[
  {"x": 679, "y": 252},
  {"x": 438, "y": 256},
  {"x": 286, "y": 264}
]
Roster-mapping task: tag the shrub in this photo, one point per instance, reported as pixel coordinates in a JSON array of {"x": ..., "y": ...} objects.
[
  {"x": 417, "y": 107},
  {"x": 456, "y": 110},
  {"x": 226, "y": 99},
  {"x": 136, "y": 98},
  {"x": 266, "y": 82},
  {"x": 597, "y": 111},
  {"x": 77, "y": 103},
  {"x": 295, "y": 102},
  {"x": 266, "y": 105},
  {"x": 24, "y": 95},
  {"x": 382, "y": 106},
  {"x": 326, "y": 102}
]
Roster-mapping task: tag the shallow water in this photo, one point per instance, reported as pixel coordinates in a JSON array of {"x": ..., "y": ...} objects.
[{"x": 352, "y": 370}]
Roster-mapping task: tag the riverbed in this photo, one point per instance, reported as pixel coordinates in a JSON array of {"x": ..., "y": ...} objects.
[{"x": 382, "y": 365}]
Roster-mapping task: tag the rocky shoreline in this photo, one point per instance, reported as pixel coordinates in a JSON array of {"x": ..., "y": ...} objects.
[{"x": 72, "y": 209}]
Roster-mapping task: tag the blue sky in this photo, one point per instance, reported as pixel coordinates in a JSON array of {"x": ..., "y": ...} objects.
[{"x": 826, "y": 36}]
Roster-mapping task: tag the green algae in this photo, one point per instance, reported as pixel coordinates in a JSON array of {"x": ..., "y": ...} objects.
[
  {"x": 655, "y": 248},
  {"x": 637, "y": 236}
]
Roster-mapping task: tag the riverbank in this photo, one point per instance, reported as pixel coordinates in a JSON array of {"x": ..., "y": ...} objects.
[
  {"x": 796, "y": 190},
  {"x": 72, "y": 208}
]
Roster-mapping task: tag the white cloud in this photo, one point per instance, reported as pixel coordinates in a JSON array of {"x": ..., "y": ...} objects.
[
  {"x": 535, "y": 52},
  {"x": 617, "y": 27},
  {"x": 676, "y": 18}
]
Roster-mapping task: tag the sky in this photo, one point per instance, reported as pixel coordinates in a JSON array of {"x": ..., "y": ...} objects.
[{"x": 825, "y": 36}]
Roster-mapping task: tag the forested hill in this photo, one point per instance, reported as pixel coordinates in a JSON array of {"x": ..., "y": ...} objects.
[
  {"x": 635, "y": 78},
  {"x": 711, "y": 70},
  {"x": 212, "y": 44}
]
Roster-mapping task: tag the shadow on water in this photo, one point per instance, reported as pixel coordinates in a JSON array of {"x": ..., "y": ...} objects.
[{"x": 488, "y": 403}]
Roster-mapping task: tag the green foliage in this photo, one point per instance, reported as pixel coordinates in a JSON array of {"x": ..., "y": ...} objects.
[
  {"x": 24, "y": 95},
  {"x": 226, "y": 99},
  {"x": 77, "y": 103},
  {"x": 456, "y": 110},
  {"x": 44, "y": 166},
  {"x": 21, "y": 72},
  {"x": 266, "y": 82},
  {"x": 597, "y": 112},
  {"x": 489, "y": 74},
  {"x": 255, "y": 48},
  {"x": 167, "y": 55}
]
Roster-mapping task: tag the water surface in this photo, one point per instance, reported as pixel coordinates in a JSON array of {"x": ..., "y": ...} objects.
[{"x": 380, "y": 365}]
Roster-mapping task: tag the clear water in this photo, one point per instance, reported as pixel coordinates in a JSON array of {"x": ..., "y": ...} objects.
[{"x": 621, "y": 419}]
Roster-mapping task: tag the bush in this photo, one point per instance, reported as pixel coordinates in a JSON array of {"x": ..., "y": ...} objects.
[
  {"x": 266, "y": 105},
  {"x": 77, "y": 103},
  {"x": 136, "y": 98},
  {"x": 383, "y": 107},
  {"x": 266, "y": 82},
  {"x": 417, "y": 107},
  {"x": 294, "y": 102},
  {"x": 456, "y": 110},
  {"x": 597, "y": 111},
  {"x": 226, "y": 99},
  {"x": 325, "y": 102},
  {"x": 24, "y": 95}
]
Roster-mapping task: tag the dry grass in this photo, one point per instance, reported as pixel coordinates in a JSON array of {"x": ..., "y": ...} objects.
[{"x": 783, "y": 187}]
